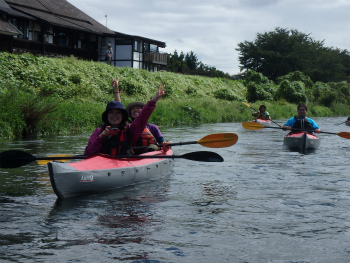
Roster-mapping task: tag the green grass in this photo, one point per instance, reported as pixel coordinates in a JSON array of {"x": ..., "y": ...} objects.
[{"x": 81, "y": 90}]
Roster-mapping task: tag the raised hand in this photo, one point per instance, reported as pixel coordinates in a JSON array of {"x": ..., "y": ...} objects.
[{"x": 160, "y": 92}]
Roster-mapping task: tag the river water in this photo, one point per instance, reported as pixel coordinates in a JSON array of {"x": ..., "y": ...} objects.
[{"x": 262, "y": 204}]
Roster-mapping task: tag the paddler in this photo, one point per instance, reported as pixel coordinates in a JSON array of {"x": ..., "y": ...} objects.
[
  {"x": 262, "y": 113},
  {"x": 151, "y": 136},
  {"x": 116, "y": 135},
  {"x": 301, "y": 122}
]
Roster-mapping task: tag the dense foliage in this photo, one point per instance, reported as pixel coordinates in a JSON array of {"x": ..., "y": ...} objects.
[
  {"x": 280, "y": 52},
  {"x": 41, "y": 95},
  {"x": 189, "y": 64}
]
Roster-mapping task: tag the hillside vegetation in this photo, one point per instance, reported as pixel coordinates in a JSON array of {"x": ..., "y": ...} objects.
[{"x": 41, "y": 95}]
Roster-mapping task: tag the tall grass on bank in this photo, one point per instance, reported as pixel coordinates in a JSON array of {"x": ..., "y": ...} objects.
[{"x": 79, "y": 91}]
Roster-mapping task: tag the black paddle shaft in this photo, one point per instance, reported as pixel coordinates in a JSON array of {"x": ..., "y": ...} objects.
[{"x": 15, "y": 158}]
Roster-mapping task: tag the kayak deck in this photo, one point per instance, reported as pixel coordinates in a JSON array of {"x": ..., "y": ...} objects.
[
  {"x": 266, "y": 123},
  {"x": 301, "y": 141},
  {"x": 102, "y": 173}
]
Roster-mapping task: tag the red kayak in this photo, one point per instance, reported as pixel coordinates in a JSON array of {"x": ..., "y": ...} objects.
[{"x": 301, "y": 141}]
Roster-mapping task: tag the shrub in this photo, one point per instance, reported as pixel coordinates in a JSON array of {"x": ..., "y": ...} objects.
[
  {"x": 257, "y": 78},
  {"x": 257, "y": 92},
  {"x": 226, "y": 94},
  {"x": 191, "y": 112},
  {"x": 327, "y": 98},
  {"x": 191, "y": 91},
  {"x": 342, "y": 90},
  {"x": 297, "y": 76},
  {"x": 34, "y": 111},
  {"x": 75, "y": 78},
  {"x": 293, "y": 92},
  {"x": 133, "y": 87},
  {"x": 11, "y": 118}
]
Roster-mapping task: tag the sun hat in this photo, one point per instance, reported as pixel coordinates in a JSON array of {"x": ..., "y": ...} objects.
[
  {"x": 152, "y": 148},
  {"x": 114, "y": 105},
  {"x": 132, "y": 105}
]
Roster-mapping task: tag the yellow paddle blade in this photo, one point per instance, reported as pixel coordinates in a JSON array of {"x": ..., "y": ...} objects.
[
  {"x": 219, "y": 140},
  {"x": 246, "y": 104},
  {"x": 345, "y": 135},
  {"x": 252, "y": 125},
  {"x": 44, "y": 162}
]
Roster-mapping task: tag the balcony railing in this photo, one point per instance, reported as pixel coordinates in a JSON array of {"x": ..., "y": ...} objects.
[
  {"x": 156, "y": 58},
  {"x": 22, "y": 45}
]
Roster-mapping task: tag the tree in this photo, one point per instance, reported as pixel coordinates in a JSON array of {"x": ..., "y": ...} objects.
[
  {"x": 191, "y": 61},
  {"x": 189, "y": 64},
  {"x": 282, "y": 51},
  {"x": 175, "y": 62}
]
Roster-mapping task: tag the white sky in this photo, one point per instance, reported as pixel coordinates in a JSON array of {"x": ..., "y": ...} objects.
[{"x": 213, "y": 29}]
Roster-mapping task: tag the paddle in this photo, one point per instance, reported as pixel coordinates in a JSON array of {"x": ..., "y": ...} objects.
[
  {"x": 15, "y": 158},
  {"x": 257, "y": 126},
  {"x": 340, "y": 123},
  {"x": 68, "y": 157},
  {"x": 216, "y": 140},
  {"x": 257, "y": 110}
]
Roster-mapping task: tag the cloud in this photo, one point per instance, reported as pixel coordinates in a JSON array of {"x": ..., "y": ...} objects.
[{"x": 213, "y": 29}]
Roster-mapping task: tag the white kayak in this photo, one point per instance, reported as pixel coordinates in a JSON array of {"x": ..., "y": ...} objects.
[
  {"x": 301, "y": 141},
  {"x": 266, "y": 123},
  {"x": 103, "y": 173}
]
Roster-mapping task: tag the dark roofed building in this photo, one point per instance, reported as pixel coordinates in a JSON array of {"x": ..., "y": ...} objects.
[
  {"x": 7, "y": 29},
  {"x": 57, "y": 28},
  {"x": 59, "y": 13},
  {"x": 6, "y": 9}
]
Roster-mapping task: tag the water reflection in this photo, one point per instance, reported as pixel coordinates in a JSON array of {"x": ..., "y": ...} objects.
[{"x": 120, "y": 217}]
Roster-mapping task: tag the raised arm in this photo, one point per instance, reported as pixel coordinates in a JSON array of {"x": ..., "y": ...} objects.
[
  {"x": 115, "y": 84},
  {"x": 140, "y": 122}
]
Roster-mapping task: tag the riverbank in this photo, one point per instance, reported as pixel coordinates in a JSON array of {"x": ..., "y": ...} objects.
[{"x": 46, "y": 96}]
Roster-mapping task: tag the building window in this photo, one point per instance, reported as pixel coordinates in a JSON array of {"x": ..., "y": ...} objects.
[
  {"x": 153, "y": 48},
  {"x": 123, "y": 64},
  {"x": 37, "y": 36},
  {"x": 30, "y": 30},
  {"x": 34, "y": 31},
  {"x": 22, "y": 26},
  {"x": 49, "y": 35},
  {"x": 123, "y": 52},
  {"x": 62, "y": 38},
  {"x": 137, "y": 65},
  {"x": 137, "y": 56},
  {"x": 138, "y": 45},
  {"x": 145, "y": 47}
]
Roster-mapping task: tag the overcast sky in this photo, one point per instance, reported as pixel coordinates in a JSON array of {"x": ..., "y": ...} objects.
[{"x": 212, "y": 29}]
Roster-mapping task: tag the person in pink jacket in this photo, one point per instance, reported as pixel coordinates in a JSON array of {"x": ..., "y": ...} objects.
[{"x": 115, "y": 136}]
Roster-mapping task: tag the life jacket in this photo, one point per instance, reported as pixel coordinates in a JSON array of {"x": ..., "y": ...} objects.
[
  {"x": 145, "y": 139},
  {"x": 262, "y": 116},
  {"x": 116, "y": 145},
  {"x": 302, "y": 123}
]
